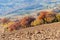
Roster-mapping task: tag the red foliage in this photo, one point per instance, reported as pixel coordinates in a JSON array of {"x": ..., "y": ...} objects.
[
  {"x": 42, "y": 14},
  {"x": 14, "y": 26},
  {"x": 26, "y": 21}
]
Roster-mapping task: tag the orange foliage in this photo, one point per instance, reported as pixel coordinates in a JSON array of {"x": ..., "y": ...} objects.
[
  {"x": 50, "y": 17},
  {"x": 30, "y": 21},
  {"x": 42, "y": 14},
  {"x": 26, "y": 21},
  {"x": 14, "y": 26}
]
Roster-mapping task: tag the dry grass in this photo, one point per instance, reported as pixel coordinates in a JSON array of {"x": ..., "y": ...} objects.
[{"x": 41, "y": 32}]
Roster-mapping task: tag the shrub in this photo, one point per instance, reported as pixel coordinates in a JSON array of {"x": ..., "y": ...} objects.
[
  {"x": 37, "y": 22},
  {"x": 26, "y": 21},
  {"x": 13, "y": 26},
  {"x": 50, "y": 17},
  {"x": 6, "y": 25},
  {"x": 41, "y": 14},
  {"x": 58, "y": 17}
]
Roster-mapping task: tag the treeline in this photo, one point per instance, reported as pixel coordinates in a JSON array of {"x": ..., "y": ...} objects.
[{"x": 43, "y": 17}]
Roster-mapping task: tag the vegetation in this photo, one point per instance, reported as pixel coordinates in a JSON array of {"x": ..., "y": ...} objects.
[
  {"x": 58, "y": 16},
  {"x": 41, "y": 14},
  {"x": 13, "y": 26},
  {"x": 37, "y": 22},
  {"x": 28, "y": 21},
  {"x": 50, "y": 18}
]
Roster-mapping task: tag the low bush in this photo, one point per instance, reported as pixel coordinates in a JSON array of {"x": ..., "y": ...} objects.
[
  {"x": 13, "y": 26},
  {"x": 41, "y": 14},
  {"x": 26, "y": 21},
  {"x": 58, "y": 16},
  {"x": 37, "y": 22},
  {"x": 50, "y": 18}
]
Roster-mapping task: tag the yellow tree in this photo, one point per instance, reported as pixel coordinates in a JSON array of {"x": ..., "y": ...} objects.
[
  {"x": 37, "y": 22},
  {"x": 50, "y": 17},
  {"x": 58, "y": 16}
]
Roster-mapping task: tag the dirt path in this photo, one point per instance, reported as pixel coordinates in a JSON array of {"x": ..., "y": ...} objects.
[{"x": 41, "y": 32}]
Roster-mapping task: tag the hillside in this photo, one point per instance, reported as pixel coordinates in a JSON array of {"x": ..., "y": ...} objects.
[{"x": 40, "y": 32}]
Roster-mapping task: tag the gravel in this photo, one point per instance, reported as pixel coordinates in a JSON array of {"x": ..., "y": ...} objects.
[{"x": 41, "y": 32}]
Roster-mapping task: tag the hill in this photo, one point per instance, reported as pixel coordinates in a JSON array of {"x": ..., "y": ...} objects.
[{"x": 41, "y": 32}]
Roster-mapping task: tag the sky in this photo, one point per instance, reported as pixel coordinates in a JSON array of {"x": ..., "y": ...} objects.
[{"x": 13, "y": 6}]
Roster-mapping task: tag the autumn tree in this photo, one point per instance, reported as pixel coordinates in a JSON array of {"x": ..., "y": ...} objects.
[
  {"x": 58, "y": 16},
  {"x": 37, "y": 22},
  {"x": 26, "y": 21},
  {"x": 41, "y": 14},
  {"x": 50, "y": 17},
  {"x": 13, "y": 26}
]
